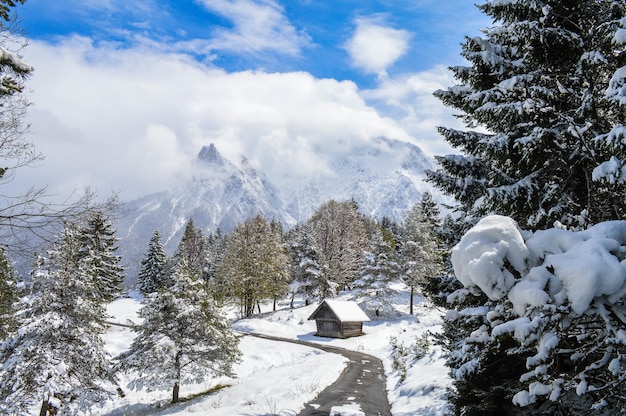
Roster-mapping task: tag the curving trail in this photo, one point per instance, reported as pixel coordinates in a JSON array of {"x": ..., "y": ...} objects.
[{"x": 362, "y": 383}]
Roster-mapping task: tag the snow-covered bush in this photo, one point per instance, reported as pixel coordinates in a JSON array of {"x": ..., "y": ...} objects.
[{"x": 403, "y": 357}]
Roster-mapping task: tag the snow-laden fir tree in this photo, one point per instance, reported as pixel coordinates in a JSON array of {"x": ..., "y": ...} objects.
[
  {"x": 381, "y": 269},
  {"x": 97, "y": 259},
  {"x": 537, "y": 98},
  {"x": 193, "y": 250},
  {"x": 183, "y": 338},
  {"x": 56, "y": 358},
  {"x": 256, "y": 265},
  {"x": 216, "y": 251},
  {"x": 420, "y": 254},
  {"x": 8, "y": 295},
  {"x": 216, "y": 246},
  {"x": 308, "y": 279},
  {"x": 152, "y": 275},
  {"x": 534, "y": 97},
  {"x": 341, "y": 238}
]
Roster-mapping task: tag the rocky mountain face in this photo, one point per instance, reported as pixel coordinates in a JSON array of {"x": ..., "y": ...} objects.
[{"x": 385, "y": 177}]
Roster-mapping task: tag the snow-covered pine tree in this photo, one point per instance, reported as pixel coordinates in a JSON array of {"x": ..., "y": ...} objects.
[
  {"x": 341, "y": 238},
  {"x": 192, "y": 249},
  {"x": 305, "y": 263},
  {"x": 216, "y": 246},
  {"x": 279, "y": 266},
  {"x": 611, "y": 172},
  {"x": 535, "y": 95},
  {"x": 57, "y": 358},
  {"x": 152, "y": 276},
  {"x": 420, "y": 253},
  {"x": 216, "y": 249},
  {"x": 380, "y": 270},
  {"x": 183, "y": 338},
  {"x": 97, "y": 259},
  {"x": 8, "y": 295}
]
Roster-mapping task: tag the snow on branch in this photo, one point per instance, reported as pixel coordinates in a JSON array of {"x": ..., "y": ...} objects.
[
  {"x": 555, "y": 266},
  {"x": 558, "y": 293}
]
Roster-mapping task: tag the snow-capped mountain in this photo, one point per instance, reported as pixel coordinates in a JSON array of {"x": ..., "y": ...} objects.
[
  {"x": 385, "y": 177},
  {"x": 220, "y": 195}
]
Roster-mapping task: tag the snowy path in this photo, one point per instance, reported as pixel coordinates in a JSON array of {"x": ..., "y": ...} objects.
[{"x": 360, "y": 390}]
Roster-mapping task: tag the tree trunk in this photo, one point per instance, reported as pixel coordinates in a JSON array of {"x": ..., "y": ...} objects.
[
  {"x": 44, "y": 408},
  {"x": 175, "y": 393},
  {"x": 411, "y": 301},
  {"x": 177, "y": 372}
]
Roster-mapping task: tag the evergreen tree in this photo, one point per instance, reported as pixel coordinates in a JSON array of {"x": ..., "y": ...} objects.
[
  {"x": 193, "y": 250},
  {"x": 97, "y": 259},
  {"x": 305, "y": 263},
  {"x": 57, "y": 357},
  {"x": 420, "y": 252},
  {"x": 380, "y": 270},
  {"x": 182, "y": 339},
  {"x": 341, "y": 238},
  {"x": 152, "y": 276},
  {"x": 535, "y": 95},
  {"x": 535, "y": 91},
  {"x": 215, "y": 257},
  {"x": 8, "y": 295}
]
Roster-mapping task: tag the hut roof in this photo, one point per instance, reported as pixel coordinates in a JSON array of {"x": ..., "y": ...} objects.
[{"x": 345, "y": 311}]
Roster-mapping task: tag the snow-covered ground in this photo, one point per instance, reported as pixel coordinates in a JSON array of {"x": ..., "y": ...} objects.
[{"x": 279, "y": 378}]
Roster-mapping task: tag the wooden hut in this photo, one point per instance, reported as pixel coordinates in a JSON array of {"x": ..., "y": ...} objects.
[{"x": 339, "y": 319}]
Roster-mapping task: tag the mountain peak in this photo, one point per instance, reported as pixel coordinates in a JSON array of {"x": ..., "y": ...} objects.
[{"x": 210, "y": 155}]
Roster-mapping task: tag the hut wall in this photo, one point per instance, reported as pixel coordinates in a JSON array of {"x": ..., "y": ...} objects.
[
  {"x": 351, "y": 329},
  {"x": 328, "y": 328}
]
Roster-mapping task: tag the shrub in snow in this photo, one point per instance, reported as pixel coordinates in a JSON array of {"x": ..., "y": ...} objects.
[
  {"x": 555, "y": 300},
  {"x": 403, "y": 357}
]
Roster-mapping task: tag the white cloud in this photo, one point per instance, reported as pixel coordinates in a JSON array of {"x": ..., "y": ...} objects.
[
  {"x": 258, "y": 25},
  {"x": 374, "y": 47},
  {"x": 409, "y": 100},
  {"x": 131, "y": 120}
]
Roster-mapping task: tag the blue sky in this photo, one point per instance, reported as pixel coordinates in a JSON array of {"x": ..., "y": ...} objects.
[{"x": 143, "y": 84}]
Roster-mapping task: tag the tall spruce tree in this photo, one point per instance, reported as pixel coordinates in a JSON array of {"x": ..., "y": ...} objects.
[
  {"x": 8, "y": 295},
  {"x": 380, "y": 270},
  {"x": 152, "y": 275},
  {"x": 193, "y": 250},
  {"x": 535, "y": 96},
  {"x": 420, "y": 253},
  {"x": 97, "y": 259},
  {"x": 57, "y": 357},
  {"x": 341, "y": 238},
  {"x": 183, "y": 337},
  {"x": 305, "y": 262}
]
